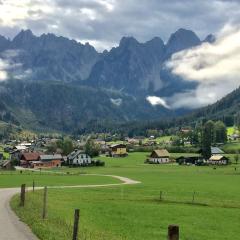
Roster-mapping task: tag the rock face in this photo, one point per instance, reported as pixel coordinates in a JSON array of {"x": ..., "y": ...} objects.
[
  {"x": 138, "y": 68},
  {"x": 66, "y": 84},
  {"x": 52, "y": 58},
  {"x": 4, "y": 43},
  {"x": 131, "y": 67},
  {"x": 180, "y": 40}
]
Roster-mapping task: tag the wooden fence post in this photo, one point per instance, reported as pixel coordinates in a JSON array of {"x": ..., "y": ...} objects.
[
  {"x": 161, "y": 193},
  {"x": 33, "y": 185},
  {"x": 76, "y": 223},
  {"x": 173, "y": 232},
  {"x": 22, "y": 195},
  {"x": 44, "y": 213},
  {"x": 193, "y": 197}
]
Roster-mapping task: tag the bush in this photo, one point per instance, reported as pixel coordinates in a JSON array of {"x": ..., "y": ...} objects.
[{"x": 99, "y": 163}]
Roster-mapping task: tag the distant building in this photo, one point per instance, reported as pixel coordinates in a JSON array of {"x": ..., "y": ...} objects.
[
  {"x": 78, "y": 158},
  {"x": 49, "y": 161},
  {"x": 6, "y": 165},
  {"x": 28, "y": 158},
  {"x": 218, "y": 160},
  {"x": 190, "y": 160},
  {"x": 159, "y": 156},
  {"x": 36, "y": 160},
  {"x": 185, "y": 130},
  {"x": 118, "y": 150},
  {"x": 216, "y": 151}
]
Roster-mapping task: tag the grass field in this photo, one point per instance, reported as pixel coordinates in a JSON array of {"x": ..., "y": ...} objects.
[
  {"x": 15, "y": 179},
  {"x": 231, "y": 130},
  {"x": 134, "y": 212},
  {"x": 5, "y": 154},
  {"x": 232, "y": 147}
]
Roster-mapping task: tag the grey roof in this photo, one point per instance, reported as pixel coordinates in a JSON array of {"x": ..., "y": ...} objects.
[
  {"x": 216, "y": 150},
  {"x": 4, "y": 163},
  {"x": 51, "y": 157},
  {"x": 74, "y": 154}
]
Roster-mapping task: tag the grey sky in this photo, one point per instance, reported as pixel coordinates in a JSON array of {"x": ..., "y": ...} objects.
[{"x": 104, "y": 22}]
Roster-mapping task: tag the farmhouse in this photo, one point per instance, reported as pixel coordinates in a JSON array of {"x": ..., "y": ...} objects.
[
  {"x": 6, "y": 165},
  {"x": 218, "y": 160},
  {"x": 48, "y": 161},
  {"x": 29, "y": 157},
  {"x": 54, "y": 160},
  {"x": 159, "y": 156},
  {"x": 79, "y": 158},
  {"x": 118, "y": 150},
  {"x": 190, "y": 160},
  {"x": 216, "y": 151}
]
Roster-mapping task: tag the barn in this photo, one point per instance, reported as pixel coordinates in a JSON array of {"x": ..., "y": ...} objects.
[{"x": 159, "y": 156}]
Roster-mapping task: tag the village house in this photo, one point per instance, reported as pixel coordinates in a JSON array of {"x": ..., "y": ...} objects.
[
  {"x": 218, "y": 160},
  {"x": 132, "y": 141},
  {"x": 48, "y": 161},
  {"x": 118, "y": 150},
  {"x": 185, "y": 130},
  {"x": 78, "y": 158},
  {"x": 6, "y": 165},
  {"x": 28, "y": 158},
  {"x": 159, "y": 156},
  {"x": 190, "y": 160},
  {"x": 216, "y": 151}
]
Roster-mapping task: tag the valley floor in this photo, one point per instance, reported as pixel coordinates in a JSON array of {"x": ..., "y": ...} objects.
[{"x": 203, "y": 201}]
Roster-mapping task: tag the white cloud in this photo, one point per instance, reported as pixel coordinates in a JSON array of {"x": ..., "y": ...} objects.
[
  {"x": 215, "y": 67},
  {"x": 117, "y": 102},
  {"x": 154, "y": 100},
  {"x": 10, "y": 67},
  {"x": 3, "y": 70}
]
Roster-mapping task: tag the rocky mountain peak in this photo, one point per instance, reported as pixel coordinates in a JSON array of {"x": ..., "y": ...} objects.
[
  {"x": 210, "y": 38},
  {"x": 180, "y": 40},
  {"x": 128, "y": 42}
]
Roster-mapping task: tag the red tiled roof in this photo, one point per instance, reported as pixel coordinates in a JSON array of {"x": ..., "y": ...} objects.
[{"x": 31, "y": 156}]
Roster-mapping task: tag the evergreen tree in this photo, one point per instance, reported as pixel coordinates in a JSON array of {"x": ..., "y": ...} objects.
[
  {"x": 207, "y": 139},
  {"x": 220, "y": 132},
  {"x": 91, "y": 148}
]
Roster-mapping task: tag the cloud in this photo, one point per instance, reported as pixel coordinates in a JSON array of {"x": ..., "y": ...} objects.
[
  {"x": 215, "y": 67},
  {"x": 106, "y": 21},
  {"x": 11, "y": 67},
  {"x": 154, "y": 100},
  {"x": 4, "y": 67}
]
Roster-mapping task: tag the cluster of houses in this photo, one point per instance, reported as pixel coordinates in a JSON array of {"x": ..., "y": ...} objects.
[
  {"x": 28, "y": 156},
  {"x": 162, "y": 156},
  {"x": 25, "y": 155}
]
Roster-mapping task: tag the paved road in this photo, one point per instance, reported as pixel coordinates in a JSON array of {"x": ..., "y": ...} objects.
[{"x": 11, "y": 228}]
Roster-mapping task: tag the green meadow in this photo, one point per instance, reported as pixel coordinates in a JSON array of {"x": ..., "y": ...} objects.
[
  {"x": 15, "y": 179},
  {"x": 203, "y": 201}
]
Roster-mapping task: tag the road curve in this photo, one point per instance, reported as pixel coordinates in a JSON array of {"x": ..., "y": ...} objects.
[{"x": 11, "y": 228}]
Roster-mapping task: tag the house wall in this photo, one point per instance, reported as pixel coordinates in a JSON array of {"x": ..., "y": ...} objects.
[
  {"x": 119, "y": 151},
  {"x": 82, "y": 159},
  {"x": 220, "y": 162},
  {"x": 47, "y": 164},
  {"x": 159, "y": 160}
]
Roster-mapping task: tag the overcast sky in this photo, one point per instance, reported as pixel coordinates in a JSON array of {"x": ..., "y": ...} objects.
[{"x": 104, "y": 22}]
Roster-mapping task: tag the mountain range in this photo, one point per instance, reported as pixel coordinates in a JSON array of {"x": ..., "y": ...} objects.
[{"x": 57, "y": 83}]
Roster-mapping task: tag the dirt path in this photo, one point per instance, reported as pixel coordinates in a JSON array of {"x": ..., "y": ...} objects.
[{"x": 11, "y": 228}]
